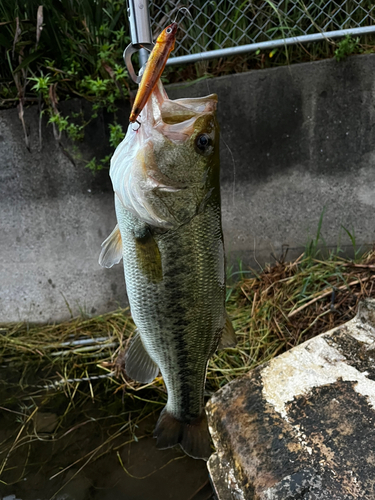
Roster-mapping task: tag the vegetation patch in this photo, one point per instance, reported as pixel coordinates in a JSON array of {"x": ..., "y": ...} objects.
[{"x": 52, "y": 51}]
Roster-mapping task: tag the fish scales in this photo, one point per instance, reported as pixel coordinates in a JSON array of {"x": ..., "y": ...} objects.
[
  {"x": 167, "y": 199},
  {"x": 180, "y": 313}
]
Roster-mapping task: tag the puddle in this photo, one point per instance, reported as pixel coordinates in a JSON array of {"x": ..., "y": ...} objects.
[{"x": 70, "y": 446}]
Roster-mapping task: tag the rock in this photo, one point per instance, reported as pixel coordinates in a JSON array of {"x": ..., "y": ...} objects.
[
  {"x": 302, "y": 425},
  {"x": 45, "y": 422}
]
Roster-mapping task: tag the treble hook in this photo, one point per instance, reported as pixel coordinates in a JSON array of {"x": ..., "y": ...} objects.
[{"x": 136, "y": 129}]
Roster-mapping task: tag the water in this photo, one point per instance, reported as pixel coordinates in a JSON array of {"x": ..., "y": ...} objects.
[{"x": 69, "y": 446}]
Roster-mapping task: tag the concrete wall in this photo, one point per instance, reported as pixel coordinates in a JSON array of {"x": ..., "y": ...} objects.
[{"x": 294, "y": 140}]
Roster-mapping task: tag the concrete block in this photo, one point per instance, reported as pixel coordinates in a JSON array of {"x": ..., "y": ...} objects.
[
  {"x": 54, "y": 215},
  {"x": 302, "y": 425}
]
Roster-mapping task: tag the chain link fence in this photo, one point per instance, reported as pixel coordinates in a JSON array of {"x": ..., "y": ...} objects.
[{"x": 225, "y": 27}]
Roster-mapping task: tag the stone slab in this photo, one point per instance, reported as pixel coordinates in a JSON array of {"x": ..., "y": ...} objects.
[{"x": 301, "y": 426}]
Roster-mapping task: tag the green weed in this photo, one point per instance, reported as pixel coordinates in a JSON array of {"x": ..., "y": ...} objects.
[
  {"x": 347, "y": 47},
  {"x": 65, "y": 49},
  {"x": 116, "y": 134},
  {"x": 312, "y": 249},
  {"x": 357, "y": 251}
]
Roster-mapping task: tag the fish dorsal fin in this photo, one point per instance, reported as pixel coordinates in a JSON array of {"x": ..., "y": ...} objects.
[
  {"x": 138, "y": 364},
  {"x": 228, "y": 338},
  {"x": 111, "y": 253}
]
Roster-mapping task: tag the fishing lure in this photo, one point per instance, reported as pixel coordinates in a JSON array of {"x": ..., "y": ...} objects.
[{"x": 154, "y": 68}]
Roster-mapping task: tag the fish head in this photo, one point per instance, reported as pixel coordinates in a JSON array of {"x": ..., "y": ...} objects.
[
  {"x": 185, "y": 152},
  {"x": 186, "y": 140},
  {"x": 168, "y": 170},
  {"x": 168, "y": 35}
]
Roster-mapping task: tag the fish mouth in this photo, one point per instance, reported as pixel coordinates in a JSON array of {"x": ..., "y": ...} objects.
[
  {"x": 179, "y": 117},
  {"x": 173, "y": 27}
]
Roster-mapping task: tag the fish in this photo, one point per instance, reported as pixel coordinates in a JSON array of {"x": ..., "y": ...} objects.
[
  {"x": 166, "y": 180},
  {"x": 154, "y": 68}
]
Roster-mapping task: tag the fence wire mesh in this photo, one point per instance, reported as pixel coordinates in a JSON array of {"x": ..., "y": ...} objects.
[{"x": 224, "y": 24}]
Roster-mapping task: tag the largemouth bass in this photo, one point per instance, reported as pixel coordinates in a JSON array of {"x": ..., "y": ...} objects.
[{"x": 167, "y": 197}]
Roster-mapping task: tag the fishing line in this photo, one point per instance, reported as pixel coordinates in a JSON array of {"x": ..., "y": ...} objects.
[
  {"x": 234, "y": 172},
  {"x": 230, "y": 152}
]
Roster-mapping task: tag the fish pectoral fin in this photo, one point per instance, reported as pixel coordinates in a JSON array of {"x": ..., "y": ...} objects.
[
  {"x": 138, "y": 364},
  {"x": 111, "y": 253},
  {"x": 228, "y": 338},
  {"x": 148, "y": 256}
]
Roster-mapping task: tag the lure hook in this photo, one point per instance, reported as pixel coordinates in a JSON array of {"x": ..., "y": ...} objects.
[
  {"x": 136, "y": 129},
  {"x": 186, "y": 10}
]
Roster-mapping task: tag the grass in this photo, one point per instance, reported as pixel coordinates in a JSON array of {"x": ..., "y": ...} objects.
[{"x": 74, "y": 369}]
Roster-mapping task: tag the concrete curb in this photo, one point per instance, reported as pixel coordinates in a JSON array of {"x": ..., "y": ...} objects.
[{"x": 301, "y": 425}]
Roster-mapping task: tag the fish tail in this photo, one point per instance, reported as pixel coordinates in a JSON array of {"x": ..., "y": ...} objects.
[{"x": 193, "y": 437}]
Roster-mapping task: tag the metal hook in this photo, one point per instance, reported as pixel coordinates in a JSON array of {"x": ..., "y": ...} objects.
[
  {"x": 128, "y": 52},
  {"x": 138, "y": 42},
  {"x": 136, "y": 129},
  {"x": 187, "y": 11},
  {"x": 140, "y": 34}
]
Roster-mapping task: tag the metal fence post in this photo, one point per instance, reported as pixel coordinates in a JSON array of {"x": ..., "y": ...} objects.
[{"x": 140, "y": 28}]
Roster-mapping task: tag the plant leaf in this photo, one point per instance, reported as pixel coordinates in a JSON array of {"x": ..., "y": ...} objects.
[{"x": 29, "y": 59}]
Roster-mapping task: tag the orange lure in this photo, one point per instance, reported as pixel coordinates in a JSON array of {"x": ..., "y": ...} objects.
[{"x": 154, "y": 68}]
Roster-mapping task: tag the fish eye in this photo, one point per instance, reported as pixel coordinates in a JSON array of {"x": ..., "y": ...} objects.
[
  {"x": 169, "y": 30},
  {"x": 202, "y": 142}
]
